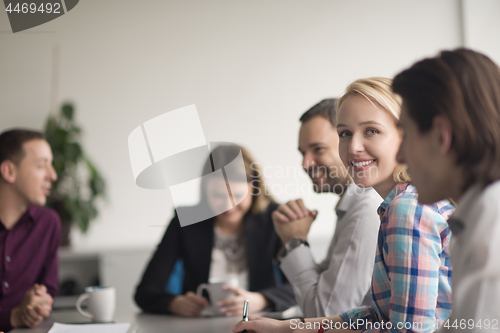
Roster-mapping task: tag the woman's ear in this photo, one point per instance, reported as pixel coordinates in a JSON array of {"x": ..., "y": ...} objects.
[
  {"x": 443, "y": 134},
  {"x": 8, "y": 171}
]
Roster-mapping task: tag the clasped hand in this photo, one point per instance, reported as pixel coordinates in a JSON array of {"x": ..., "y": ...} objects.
[
  {"x": 34, "y": 308},
  {"x": 293, "y": 220}
]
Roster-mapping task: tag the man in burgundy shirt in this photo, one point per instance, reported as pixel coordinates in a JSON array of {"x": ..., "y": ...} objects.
[{"x": 29, "y": 233}]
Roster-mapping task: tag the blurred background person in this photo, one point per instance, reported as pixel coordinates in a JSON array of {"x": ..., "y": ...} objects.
[
  {"x": 29, "y": 233},
  {"x": 240, "y": 243}
]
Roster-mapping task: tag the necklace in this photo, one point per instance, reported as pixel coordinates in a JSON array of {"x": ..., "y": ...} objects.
[{"x": 232, "y": 245}]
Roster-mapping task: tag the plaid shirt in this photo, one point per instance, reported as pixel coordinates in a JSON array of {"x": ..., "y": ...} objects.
[{"x": 411, "y": 284}]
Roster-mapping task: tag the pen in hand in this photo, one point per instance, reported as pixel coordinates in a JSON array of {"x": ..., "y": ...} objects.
[{"x": 245, "y": 314}]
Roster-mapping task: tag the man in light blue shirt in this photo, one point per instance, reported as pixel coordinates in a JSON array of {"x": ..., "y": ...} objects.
[{"x": 342, "y": 281}]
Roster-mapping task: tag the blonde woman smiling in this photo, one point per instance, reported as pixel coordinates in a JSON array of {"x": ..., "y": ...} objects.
[{"x": 411, "y": 283}]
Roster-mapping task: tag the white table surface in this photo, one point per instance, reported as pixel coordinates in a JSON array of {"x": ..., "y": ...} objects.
[{"x": 146, "y": 323}]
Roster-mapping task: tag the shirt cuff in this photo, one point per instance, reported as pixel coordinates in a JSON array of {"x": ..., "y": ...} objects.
[
  {"x": 365, "y": 313},
  {"x": 344, "y": 317},
  {"x": 297, "y": 261}
]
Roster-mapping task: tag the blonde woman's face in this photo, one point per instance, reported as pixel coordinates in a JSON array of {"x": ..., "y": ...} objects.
[{"x": 368, "y": 143}]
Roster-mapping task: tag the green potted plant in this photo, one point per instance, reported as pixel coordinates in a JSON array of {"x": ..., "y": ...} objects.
[{"x": 79, "y": 184}]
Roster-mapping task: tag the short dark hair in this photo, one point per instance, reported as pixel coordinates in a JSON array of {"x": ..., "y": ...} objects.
[
  {"x": 327, "y": 109},
  {"x": 11, "y": 143},
  {"x": 463, "y": 86}
]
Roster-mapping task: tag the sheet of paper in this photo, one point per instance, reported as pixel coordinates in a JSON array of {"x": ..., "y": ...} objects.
[{"x": 87, "y": 328}]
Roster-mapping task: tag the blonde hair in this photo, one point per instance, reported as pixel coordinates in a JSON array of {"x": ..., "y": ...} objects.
[
  {"x": 261, "y": 198},
  {"x": 377, "y": 90}
]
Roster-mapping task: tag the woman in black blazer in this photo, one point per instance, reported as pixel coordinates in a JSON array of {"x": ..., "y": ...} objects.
[{"x": 240, "y": 242}]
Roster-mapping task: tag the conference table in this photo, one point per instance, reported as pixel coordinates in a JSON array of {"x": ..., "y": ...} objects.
[{"x": 143, "y": 323}]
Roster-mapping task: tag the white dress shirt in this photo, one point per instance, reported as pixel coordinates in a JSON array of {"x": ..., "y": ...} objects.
[
  {"x": 475, "y": 258},
  {"x": 342, "y": 281}
]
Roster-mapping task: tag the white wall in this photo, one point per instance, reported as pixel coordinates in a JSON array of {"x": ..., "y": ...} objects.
[
  {"x": 482, "y": 26},
  {"x": 252, "y": 68}
]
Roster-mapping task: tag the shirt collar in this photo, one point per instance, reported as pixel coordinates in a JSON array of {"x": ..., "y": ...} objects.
[
  {"x": 348, "y": 199},
  {"x": 466, "y": 201},
  {"x": 31, "y": 214},
  {"x": 28, "y": 216},
  {"x": 460, "y": 217},
  {"x": 400, "y": 187}
]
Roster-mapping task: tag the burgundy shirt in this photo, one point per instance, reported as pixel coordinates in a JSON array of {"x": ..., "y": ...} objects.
[{"x": 28, "y": 255}]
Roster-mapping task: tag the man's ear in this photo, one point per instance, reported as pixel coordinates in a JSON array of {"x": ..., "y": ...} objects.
[
  {"x": 8, "y": 171},
  {"x": 443, "y": 134}
]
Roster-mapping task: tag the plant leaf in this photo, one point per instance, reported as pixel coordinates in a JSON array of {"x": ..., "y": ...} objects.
[{"x": 67, "y": 111}]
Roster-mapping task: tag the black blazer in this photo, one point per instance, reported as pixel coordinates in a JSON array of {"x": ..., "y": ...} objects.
[{"x": 194, "y": 243}]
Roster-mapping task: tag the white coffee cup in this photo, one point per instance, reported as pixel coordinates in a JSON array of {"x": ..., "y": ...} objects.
[
  {"x": 101, "y": 303},
  {"x": 216, "y": 293},
  {"x": 229, "y": 279}
]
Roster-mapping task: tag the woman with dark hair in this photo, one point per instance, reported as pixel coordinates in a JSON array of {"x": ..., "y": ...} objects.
[
  {"x": 239, "y": 244},
  {"x": 451, "y": 124}
]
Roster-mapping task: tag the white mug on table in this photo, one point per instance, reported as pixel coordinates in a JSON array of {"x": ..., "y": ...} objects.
[
  {"x": 100, "y": 304},
  {"x": 216, "y": 293}
]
